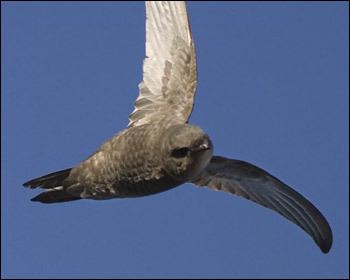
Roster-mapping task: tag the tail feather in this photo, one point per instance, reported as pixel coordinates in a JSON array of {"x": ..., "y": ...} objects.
[
  {"x": 54, "y": 196},
  {"x": 54, "y": 183},
  {"x": 49, "y": 181}
]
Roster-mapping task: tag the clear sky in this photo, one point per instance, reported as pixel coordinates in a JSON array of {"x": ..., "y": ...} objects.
[{"x": 273, "y": 90}]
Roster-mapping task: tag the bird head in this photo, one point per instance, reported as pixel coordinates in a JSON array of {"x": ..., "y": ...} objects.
[{"x": 185, "y": 150}]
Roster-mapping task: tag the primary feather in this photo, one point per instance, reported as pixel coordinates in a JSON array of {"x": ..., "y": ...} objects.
[{"x": 169, "y": 69}]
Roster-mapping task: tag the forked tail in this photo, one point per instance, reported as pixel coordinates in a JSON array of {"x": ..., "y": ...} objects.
[{"x": 53, "y": 182}]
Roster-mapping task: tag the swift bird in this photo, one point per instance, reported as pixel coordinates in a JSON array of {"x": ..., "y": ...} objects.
[{"x": 159, "y": 150}]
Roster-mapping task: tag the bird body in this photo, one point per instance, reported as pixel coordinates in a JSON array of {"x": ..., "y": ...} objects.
[
  {"x": 160, "y": 150},
  {"x": 125, "y": 165},
  {"x": 135, "y": 162}
]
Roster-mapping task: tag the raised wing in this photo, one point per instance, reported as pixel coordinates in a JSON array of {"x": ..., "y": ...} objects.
[
  {"x": 169, "y": 69},
  {"x": 253, "y": 183}
]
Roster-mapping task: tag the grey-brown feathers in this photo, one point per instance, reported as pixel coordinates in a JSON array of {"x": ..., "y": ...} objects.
[{"x": 159, "y": 150}]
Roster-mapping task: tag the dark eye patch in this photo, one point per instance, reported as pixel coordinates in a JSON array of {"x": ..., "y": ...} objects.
[{"x": 180, "y": 152}]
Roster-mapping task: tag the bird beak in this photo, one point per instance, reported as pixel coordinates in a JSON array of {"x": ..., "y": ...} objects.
[{"x": 203, "y": 147}]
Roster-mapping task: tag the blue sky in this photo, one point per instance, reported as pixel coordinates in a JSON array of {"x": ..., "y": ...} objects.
[{"x": 273, "y": 90}]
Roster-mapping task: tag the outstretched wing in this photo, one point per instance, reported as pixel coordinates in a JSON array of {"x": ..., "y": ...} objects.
[
  {"x": 253, "y": 183},
  {"x": 169, "y": 69}
]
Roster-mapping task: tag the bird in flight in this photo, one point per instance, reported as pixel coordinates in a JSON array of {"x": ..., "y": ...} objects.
[{"x": 160, "y": 150}]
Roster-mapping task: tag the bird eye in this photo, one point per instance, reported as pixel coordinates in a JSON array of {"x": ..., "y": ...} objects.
[{"x": 180, "y": 152}]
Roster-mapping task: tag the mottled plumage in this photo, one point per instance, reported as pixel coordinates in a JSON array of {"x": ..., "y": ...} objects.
[{"x": 159, "y": 150}]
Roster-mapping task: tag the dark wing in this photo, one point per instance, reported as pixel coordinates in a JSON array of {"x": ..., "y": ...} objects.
[
  {"x": 253, "y": 183},
  {"x": 169, "y": 69}
]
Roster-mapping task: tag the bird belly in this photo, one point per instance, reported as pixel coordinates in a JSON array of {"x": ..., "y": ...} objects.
[{"x": 124, "y": 189}]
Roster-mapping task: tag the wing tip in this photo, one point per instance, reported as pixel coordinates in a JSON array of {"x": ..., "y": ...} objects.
[{"x": 326, "y": 243}]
